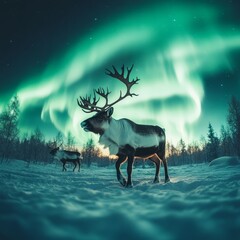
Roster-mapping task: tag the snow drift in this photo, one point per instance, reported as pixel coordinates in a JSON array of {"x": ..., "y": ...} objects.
[
  {"x": 225, "y": 161},
  {"x": 41, "y": 202}
]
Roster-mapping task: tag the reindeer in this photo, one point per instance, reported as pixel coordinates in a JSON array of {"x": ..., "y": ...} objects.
[
  {"x": 67, "y": 156},
  {"x": 123, "y": 137}
]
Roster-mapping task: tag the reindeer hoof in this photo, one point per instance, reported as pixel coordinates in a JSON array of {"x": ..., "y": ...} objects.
[
  {"x": 129, "y": 185},
  {"x": 123, "y": 181},
  {"x": 167, "y": 180},
  {"x": 156, "y": 180}
]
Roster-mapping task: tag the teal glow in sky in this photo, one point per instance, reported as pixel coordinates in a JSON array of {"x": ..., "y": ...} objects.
[{"x": 185, "y": 55}]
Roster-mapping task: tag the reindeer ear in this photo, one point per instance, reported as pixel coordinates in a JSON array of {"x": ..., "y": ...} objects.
[{"x": 110, "y": 112}]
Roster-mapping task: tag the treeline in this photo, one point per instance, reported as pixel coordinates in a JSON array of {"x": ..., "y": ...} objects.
[
  {"x": 35, "y": 147},
  {"x": 212, "y": 146}
]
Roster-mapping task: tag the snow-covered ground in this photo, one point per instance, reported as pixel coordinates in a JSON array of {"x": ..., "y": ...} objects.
[{"x": 41, "y": 202}]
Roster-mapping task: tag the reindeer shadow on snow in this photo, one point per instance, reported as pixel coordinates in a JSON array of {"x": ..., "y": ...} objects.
[
  {"x": 123, "y": 137},
  {"x": 65, "y": 156}
]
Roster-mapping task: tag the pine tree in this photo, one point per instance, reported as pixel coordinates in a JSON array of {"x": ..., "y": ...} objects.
[
  {"x": 226, "y": 142},
  {"x": 233, "y": 119},
  {"x": 58, "y": 140},
  {"x": 89, "y": 152},
  {"x": 9, "y": 127},
  {"x": 36, "y": 144},
  {"x": 183, "y": 151},
  {"x": 212, "y": 144},
  {"x": 70, "y": 141}
]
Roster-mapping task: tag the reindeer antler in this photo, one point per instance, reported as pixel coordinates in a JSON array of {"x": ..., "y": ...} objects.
[
  {"x": 87, "y": 104},
  {"x": 90, "y": 105},
  {"x": 54, "y": 144}
]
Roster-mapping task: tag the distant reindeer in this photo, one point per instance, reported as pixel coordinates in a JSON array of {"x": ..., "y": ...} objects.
[
  {"x": 67, "y": 156},
  {"x": 123, "y": 137}
]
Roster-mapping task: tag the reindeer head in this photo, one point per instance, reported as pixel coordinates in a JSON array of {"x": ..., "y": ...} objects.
[
  {"x": 98, "y": 123},
  {"x": 101, "y": 120},
  {"x": 54, "y": 151},
  {"x": 53, "y": 148}
]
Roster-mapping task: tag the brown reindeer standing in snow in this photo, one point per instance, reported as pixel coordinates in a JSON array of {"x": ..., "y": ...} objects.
[
  {"x": 66, "y": 156},
  {"x": 123, "y": 137}
]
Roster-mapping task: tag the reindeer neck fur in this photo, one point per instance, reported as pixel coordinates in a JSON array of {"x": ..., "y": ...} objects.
[{"x": 124, "y": 132}]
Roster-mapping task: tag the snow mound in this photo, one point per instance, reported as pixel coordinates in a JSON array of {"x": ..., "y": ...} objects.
[{"x": 225, "y": 161}]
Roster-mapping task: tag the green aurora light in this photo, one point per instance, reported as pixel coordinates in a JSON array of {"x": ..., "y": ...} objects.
[{"x": 172, "y": 49}]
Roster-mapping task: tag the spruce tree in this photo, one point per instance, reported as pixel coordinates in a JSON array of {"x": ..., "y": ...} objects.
[
  {"x": 233, "y": 119},
  {"x": 212, "y": 144}
]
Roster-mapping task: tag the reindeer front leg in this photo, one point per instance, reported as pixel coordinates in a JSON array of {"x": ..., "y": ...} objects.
[
  {"x": 64, "y": 162},
  {"x": 78, "y": 161},
  {"x": 119, "y": 162},
  {"x": 129, "y": 171}
]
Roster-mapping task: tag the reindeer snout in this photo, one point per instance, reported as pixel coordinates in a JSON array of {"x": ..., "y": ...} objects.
[{"x": 84, "y": 125}]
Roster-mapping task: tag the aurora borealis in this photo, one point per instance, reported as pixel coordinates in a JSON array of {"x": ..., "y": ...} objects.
[{"x": 186, "y": 53}]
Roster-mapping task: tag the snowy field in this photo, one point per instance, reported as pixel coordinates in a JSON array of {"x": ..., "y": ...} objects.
[{"x": 41, "y": 202}]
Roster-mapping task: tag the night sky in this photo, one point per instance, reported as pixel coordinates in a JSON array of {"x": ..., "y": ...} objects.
[{"x": 186, "y": 53}]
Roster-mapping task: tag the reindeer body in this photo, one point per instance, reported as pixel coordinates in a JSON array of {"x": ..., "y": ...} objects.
[
  {"x": 124, "y": 132},
  {"x": 67, "y": 156},
  {"x": 123, "y": 137},
  {"x": 128, "y": 140}
]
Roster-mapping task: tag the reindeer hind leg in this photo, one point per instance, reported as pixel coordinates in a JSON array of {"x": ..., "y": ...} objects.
[
  {"x": 78, "y": 161},
  {"x": 162, "y": 157},
  {"x": 75, "y": 165},
  {"x": 157, "y": 163},
  {"x": 64, "y": 168}
]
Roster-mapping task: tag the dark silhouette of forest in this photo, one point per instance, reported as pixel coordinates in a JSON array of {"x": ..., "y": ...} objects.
[
  {"x": 34, "y": 148},
  {"x": 227, "y": 143}
]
